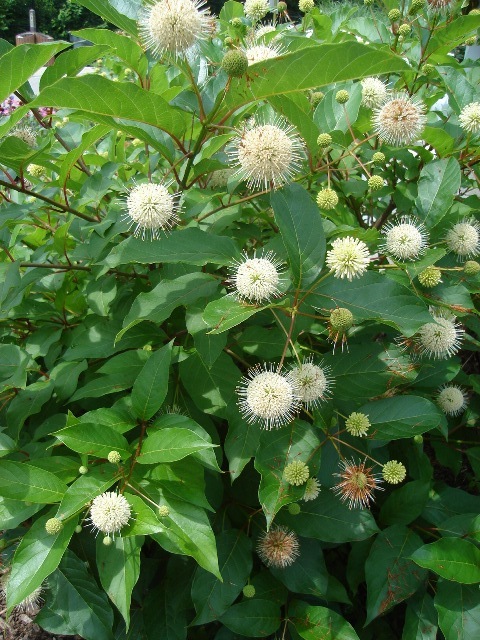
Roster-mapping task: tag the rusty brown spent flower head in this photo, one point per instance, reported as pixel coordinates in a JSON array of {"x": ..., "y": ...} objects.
[
  {"x": 278, "y": 547},
  {"x": 357, "y": 484}
]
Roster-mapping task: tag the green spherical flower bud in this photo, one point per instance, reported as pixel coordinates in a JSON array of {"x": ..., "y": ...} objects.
[
  {"x": 378, "y": 157},
  {"x": 324, "y": 140},
  {"x": 430, "y": 277},
  {"x": 235, "y": 63},
  {"x": 82, "y": 470},
  {"x": 107, "y": 541},
  {"x": 418, "y": 439},
  {"x": 368, "y": 3},
  {"x": 296, "y": 473},
  {"x": 470, "y": 42},
  {"x": 471, "y": 268},
  {"x": 249, "y": 591},
  {"x": 53, "y": 526},
  {"x": 416, "y": 6},
  {"x": 404, "y": 30},
  {"x": 163, "y": 511},
  {"x": 342, "y": 96},
  {"x": 474, "y": 12},
  {"x": 316, "y": 97},
  {"x": 427, "y": 69},
  {"x": 294, "y": 509},
  {"x": 114, "y": 457},
  {"x": 306, "y": 6},
  {"x": 327, "y": 199},
  {"x": 36, "y": 170},
  {"x": 393, "y": 472},
  {"x": 357, "y": 424},
  {"x": 341, "y": 320},
  {"x": 78, "y": 528},
  {"x": 375, "y": 183},
  {"x": 282, "y": 7},
  {"x": 394, "y": 15},
  {"x": 229, "y": 42},
  {"x": 236, "y": 23}
]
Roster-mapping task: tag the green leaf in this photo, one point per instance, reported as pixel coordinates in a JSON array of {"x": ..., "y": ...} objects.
[
  {"x": 20, "y": 63},
  {"x": 300, "y": 224},
  {"x": 452, "y": 558},
  {"x": 26, "y": 403},
  {"x": 258, "y": 618},
  {"x": 65, "y": 378},
  {"x": 213, "y": 387},
  {"x": 158, "y": 304},
  {"x": 13, "y": 366},
  {"x": 88, "y": 138},
  {"x": 451, "y": 34},
  {"x": 458, "y": 608},
  {"x": 85, "y": 488},
  {"x": 279, "y": 447},
  {"x": 438, "y": 183},
  {"x": 14, "y": 512},
  {"x": 373, "y": 297},
  {"x": 420, "y": 618},
  {"x": 169, "y": 445},
  {"x": 119, "y": 569},
  {"x": 241, "y": 442},
  {"x": 36, "y": 557},
  {"x": 122, "y": 13},
  {"x": 228, "y": 312},
  {"x": 124, "y": 47},
  {"x": 390, "y": 574},
  {"x": 313, "y": 623},
  {"x": 70, "y": 63},
  {"x": 308, "y": 574},
  {"x": 126, "y": 101},
  {"x": 144, "y": 520},
  {"x": 186, "y": 246},
  {"x": 101, "y": 293},
  {"x": 309, "y": 68},
  {"x": 211, "y": 596},
  {"x": 329, "y": 520},
  {"x": 296, "y": 109},
  {"x": 405, "y": 504},
  {"x": 21, "y": 481},
  {"x": 401, "y": 417},
  {"x": 89, "y": 439},
  {"x": 330, "y": 115},
  {"x": 151, "y": 385},
  {"x": 76, "y": 605}
]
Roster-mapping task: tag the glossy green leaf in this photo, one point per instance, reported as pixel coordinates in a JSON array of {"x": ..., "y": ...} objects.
[
  {"x": 26, "y": 403},
  {"x": 332, "y": 116},
  {"x": 89, "y": 439},
  {"x": 452, "y": 33},
  {"x": 241, "y": 442},
  {"x": 313, "y": 623},
  {"x": 151, "y": 385},
  {"x": 88, "y": 138},
  {"x": 458, "y": 608},
  {"x": 70, "y": 63},
  {"x": 13, "y": 365},
  {"x": 308, "y": 574},
  {"x": 420, "y": 618},
  {"x": 76, "y": 605},
  {"x": 213, "y": 597},
  {"x": 228, "y": 312},
  {"x": 125, "y": 48},
  {"x": 21, "y": 481},
  {"x": 85, "y": 488},
  {"x": 14, "y": 512},
  {"x": 438, "y": 183},
  {"x": 300, "y": 224},
  {"x": 119, "y": 569},
  {"x": 169, "y": 445},
  {"x": 36, "y": 557},
  {"x": 390, "y": 574},
  {"x": 405, "y": 504},
  {"x": 452, "y": 558},
  {"x": 259, "y": 618},
  {"x": 122, "y": 13}
]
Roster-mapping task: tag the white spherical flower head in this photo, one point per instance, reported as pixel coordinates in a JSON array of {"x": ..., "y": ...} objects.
[
  {"x": 452, "y": 400},
  {"x": 256, "y": 9},
  {"x": 441, "y": 338},
  {"x": 400, "y": 120},
  {"x": 267, "y": 397},
  {"x": 264, "y": 30},
  {"x": 152, "y": 209},
  {"x": 464, "y": 239},
  {"x": 470, "y": 117},
  {"x": 405, "y": 239},
  {"x": 110, "y": 512},
  {"x": 374, "y": 92},
  {"x": 267, "y": 154},
  {"x": 261, "y": 52},
  {"x": 174, "y": 26},
  {"x": 255, "y": 279},
  {"x": 312, "y": 381},
  {"x": 348, "y": 258}
]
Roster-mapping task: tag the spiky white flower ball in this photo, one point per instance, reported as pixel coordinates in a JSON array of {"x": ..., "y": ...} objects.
[
  {"x": 348, "y": 258},
  {"x": 152, "y": 209},
  {"x": 264, "y": 30},
  {"x": 312, "y": 489},
  {"x": 374, "y": 92},
  {"x": 313, "y": 382},
  {"x": 464, "y": 239},
  {"x": 405, "y": 238},
  {"x": 452, "y": 399},
  {"x": 441, "y": 338},
  {"x": 256, "y": 279},
  {"x": 268, "y": 397},
  {"x": 439, "y": 5},
  {"x": 28, "y": 605},
  {"x": 400, "y": 120},
  {"x": 174, "y": 26},
  {"x": 110, "y": 512},
  {"x": 25, "y": 133},
  {"x": 267, "y": 154},
  {"x": 255, "y": 10},
  {"x": 261, "y": 52}
]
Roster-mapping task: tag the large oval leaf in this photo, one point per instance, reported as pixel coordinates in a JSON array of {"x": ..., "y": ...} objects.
[{"x": 452, "y": 558}]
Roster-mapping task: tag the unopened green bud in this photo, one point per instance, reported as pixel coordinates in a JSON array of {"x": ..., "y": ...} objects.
[
  {"x": 229, "y": 42},
  {"x": 53, "y": 526},
  {"x": 430, "y": 277},
  {"x": 82, "y": 470},
  {"x": 342, "y": 96},
  {"x": 394, "y": 15},
  {"x": 163, "y": 511},
  {"x": 316, "y": 97},
  {"x": 368, "y": 3},
  {"x": 341, "y": 320},
  {"x": 78, "y": 528},
  {"x": 324, "y": 140},
  {"x": 375, "y": 183},
  {"x": 404, "y": 30},
  {"x": 418, "y": 439},
  {"x": 294, "y": 509},
  {"x": 471, "y": 268},
  {"x": 427, "y": 69},
  {"x": 107, "y": 541},
  {"x": 235, "y": 63},
  {"x": 416, "y": 6},
  {"x": 474, "y": 12},
  {"x": 327, "y": 199},
  {"x": 114, "y": 457},
  {"x": 282, "y": 7},
  {"x": 306, "y": 6},
  {"x": 378, "y": 157},
  {"x": 470, "y": 42},
  {"x": 249, "y": 591}
]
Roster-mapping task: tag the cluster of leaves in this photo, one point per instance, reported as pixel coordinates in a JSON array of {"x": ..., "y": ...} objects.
[{"x": 114, "y": 343}]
